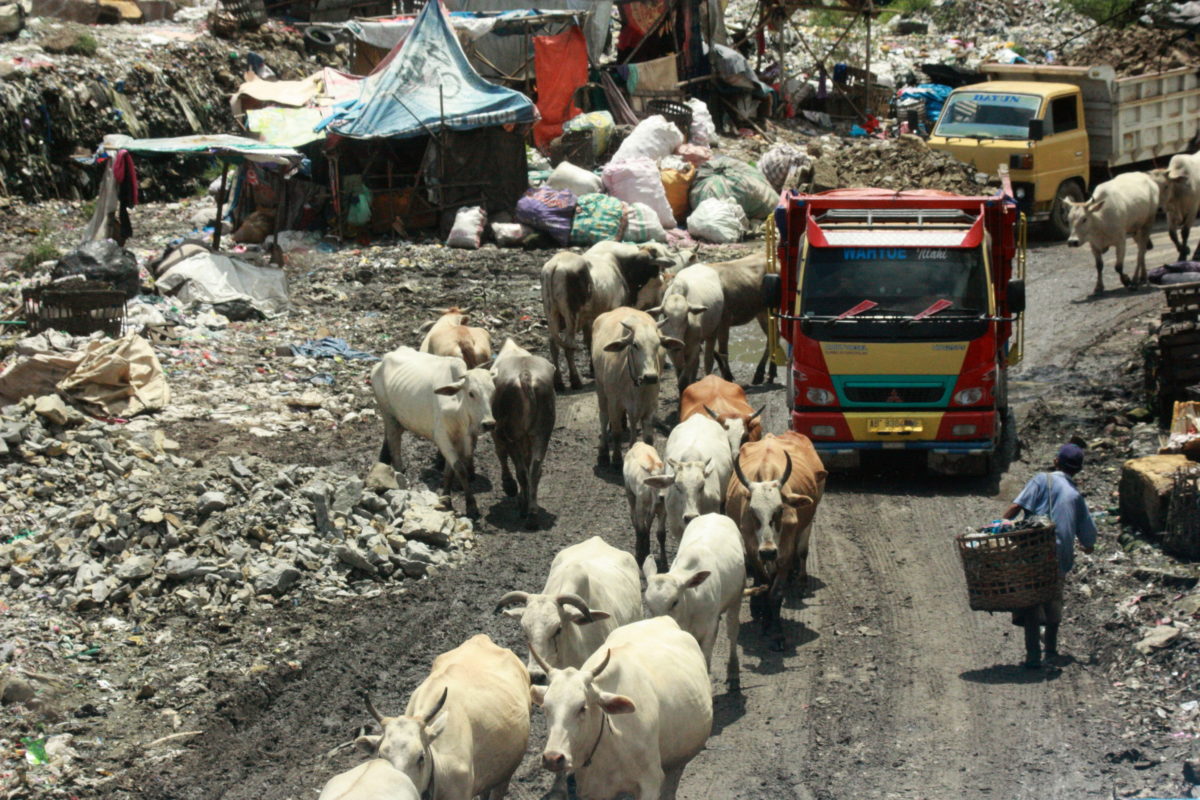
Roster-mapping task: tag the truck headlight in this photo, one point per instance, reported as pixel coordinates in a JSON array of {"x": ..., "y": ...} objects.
[
  {"x": 963, "y": 430},
  {"x": 819, "y": 397},
  {"x": 968, "y": 397},
  {"x": 823, "y": 430}
]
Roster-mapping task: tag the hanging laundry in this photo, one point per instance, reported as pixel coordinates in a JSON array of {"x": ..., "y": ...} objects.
[{"x": 561, "y": 63}]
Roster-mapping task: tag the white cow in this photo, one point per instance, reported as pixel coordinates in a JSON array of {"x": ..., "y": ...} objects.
[
  {"x": 698, "y": 454},
  {"x": 437, "y": 398},
  {"x": 646, "y": 502},
  {"x": 1126, "y": 204},
  {"x": 1183, "y": 202},
  {"x": 466, "y": 726},
  {"x": 691, "y": 311},
  {"x": 627, "y": 354},
  {"x": 376, "y": 779},
  {"x": 592, "y": 589},
  {"x": 705, "y": 581},
  {"x": 631, "y": 718}
]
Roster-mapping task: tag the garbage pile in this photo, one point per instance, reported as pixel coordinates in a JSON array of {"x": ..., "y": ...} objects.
[
  {"x": 999, "y": 18},
  {"x": 905, "y": 162},
  {"x": 1135, "y": 50},
  {"x": 97, "y": 517}
]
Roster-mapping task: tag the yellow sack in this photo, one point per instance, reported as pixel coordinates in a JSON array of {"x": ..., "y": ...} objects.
[{"x": 677, "y": 184}]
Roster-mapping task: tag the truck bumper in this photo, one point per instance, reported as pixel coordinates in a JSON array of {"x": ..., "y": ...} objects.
[{"x": 971, "y": 432}]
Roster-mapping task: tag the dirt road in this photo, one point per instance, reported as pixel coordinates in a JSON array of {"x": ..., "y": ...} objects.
[{"x": 889, "y": 686}]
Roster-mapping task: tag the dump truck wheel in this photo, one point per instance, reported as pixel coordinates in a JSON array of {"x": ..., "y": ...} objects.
[{"x": 1059, "y": 224}]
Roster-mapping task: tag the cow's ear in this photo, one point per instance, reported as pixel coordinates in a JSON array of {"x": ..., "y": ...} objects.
[
  {"x": 595, "y": 616},
  {"x": 798, "y": 500},
  {"x": 368, "y": 744},
  {"x": 450, "y": 388},
  {"x": 697, "y": 579},
  {"x": 1096, "y": 205},
  {"x": 434, "y": 728},
  {"x": 671, "y": 343},
  {"x": 616, "y": 347},
  {"x": 649, "y": 567},
  {"x": 537, "y": 694},
  {"x": 616, "y": 703},
  {"x": 660, "y": 481},
  {"x": 515, "y": 613}
]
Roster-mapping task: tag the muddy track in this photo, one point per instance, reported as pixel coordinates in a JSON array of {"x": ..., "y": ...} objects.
[{"x": 888, "y": 688}]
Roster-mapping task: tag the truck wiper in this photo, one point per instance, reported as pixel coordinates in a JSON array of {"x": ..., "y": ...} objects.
[
  {"x": 865, "y": 305},
  {"x": 938, "y": 306}
]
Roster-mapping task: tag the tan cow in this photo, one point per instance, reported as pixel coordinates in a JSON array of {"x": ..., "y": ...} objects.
[
  {"x": 726, "y": 403},
  {"x": 777, "y": 484},
  {"x": 450, "y": 336},
  {"x": 371, "y": 780},
  {"x": 466, "y": 726},
  {"x": 627, "y": 354},
  {"x": 741, "y": 283}
]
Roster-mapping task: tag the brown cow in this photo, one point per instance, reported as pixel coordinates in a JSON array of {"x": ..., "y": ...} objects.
[
  {"x": 777, "y": 484},
  {"x": 726, "y": 403},
  {"x": 741, "y": 283},
  {"x": 450, "y": 337}
]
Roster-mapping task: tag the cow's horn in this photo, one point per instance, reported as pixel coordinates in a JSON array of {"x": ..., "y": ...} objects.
[
  {"x": 512, "y": 599},
  {"x": 787, "y": 471},
  {"x": 438, "y": 707},
  {"x": 596, "y": 671},
  {"x": 711, "y": 413},
  {"x": 371, "y": 707},
  {"x": 757, "y": 413},
  {"x": 541, "y": 662},
  {"x": 741, "y": 476},
  {"x": 576, "y": 601}
]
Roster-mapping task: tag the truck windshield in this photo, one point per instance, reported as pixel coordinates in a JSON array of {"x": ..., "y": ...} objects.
[
  {"x": 865, "y": 282},
  {"x": 986, "y": 115}
]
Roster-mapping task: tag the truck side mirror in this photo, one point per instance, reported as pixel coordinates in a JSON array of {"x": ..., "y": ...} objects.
[
  {"x": 1016, "y": 296},
  {"x": 772, "y": 291},
  {"x": 1037, "y": 130}
]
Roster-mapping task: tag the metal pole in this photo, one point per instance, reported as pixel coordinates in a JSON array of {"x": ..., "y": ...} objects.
[
  {"x": 783, "y": 18},
  {"x": 867, "y": 99},
  {"x": 220, "y": 205}
]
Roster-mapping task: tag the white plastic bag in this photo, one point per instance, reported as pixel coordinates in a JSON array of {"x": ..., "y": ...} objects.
[
  {"x": 703, "y": 131},
  {"x": 510, "y": 234},
  {"x": 468, "y": 228},
  {"x": 639, "y": 181},
  {"x": 718, "y": 220},
  {"x": 579, "y": 180},
  {"x": 653, "y": 138},
  {"x": 642, "y": 225}
]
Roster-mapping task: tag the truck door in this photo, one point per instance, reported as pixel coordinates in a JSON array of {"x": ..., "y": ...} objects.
[{"x": 1063, "y": 153}]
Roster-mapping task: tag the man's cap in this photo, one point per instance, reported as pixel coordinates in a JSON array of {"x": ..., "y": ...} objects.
[{"x": 1070, "y": 457}]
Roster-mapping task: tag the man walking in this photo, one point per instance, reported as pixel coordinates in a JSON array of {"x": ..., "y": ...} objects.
[{"x": 1053, "y": 494}]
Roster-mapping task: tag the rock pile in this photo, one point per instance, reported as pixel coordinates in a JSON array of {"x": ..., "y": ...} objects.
[
  {"x": 94, "y": 517},
  {"x": 1135, "y": 50},
  {"x": 1001, "y": 16},
  {"x": 905, "y": 162}
]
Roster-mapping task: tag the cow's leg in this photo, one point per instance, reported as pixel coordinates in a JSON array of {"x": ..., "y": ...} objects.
[
  {"x": 460, "y": 470},
  {"x": 506, "y": 478},
  {"x": 1188, "y": 221},
  {"x": 648, "y": 426},
  {"x": 1178, "y": 235},
  {"x": 587, "y": 349},
  {"x": 710, "y": 350},
  {"x": 552, "y": 325},
  {"x": 521, "y": 465},
  {"x": 723, "y": 351},
  {"x": 766, "y": 356},
  {"x": 670, "y": 784},
  {"x": 498, "y": 791},
  {"x": 602, "y": 458},
  {"x": 534, "y": 471},
  {"x": 1119, "y": 266},
  {"x": 733, "y": 624},
  {"x": 773, "y": 623},
  {"x": 393, "y": 435},
  {"x": 662, "y": 543},
  {"x": 1098, "y": 255}
]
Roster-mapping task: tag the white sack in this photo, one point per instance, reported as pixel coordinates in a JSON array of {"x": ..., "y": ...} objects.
[
  {"x": 642, "y": 225},
  {"x": 468, "y": 228},
  {"x": 703, "y": 131},
  {"x": 214, "y": 278},
  {"x": 639, "y": 181},
  {"x": 718, "y": 220},
  {"x": 510, "y": 234},
  {"x": 653, "y": 138},
  {"x": 579, "y": 180}
]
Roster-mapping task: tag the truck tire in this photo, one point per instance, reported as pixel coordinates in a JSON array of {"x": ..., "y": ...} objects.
[{"x": 1059, "y": 226}]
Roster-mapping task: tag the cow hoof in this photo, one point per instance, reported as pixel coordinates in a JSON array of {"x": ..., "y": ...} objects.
[
  {"x": 576, "y": 383},
  {"x": 559, "y": 386},
  {"x": 1124, "y": 280},
  {"x": 509, "y": 486},
  {"x": 531, "y": 522},
  {"x": 473, "y": 512},
  {"x": 776, "y": 645}
]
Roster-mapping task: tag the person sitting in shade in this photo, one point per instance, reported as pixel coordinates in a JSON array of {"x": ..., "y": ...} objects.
[{"x": 1054, "y": 495}]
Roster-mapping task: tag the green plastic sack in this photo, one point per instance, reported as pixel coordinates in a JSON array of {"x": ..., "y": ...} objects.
[
  {"x": 598, "y": 218},
  {"x": 727, "y": 178}
]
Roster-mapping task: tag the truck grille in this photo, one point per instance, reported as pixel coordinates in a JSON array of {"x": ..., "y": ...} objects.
[{"x": 880, "y": 395}]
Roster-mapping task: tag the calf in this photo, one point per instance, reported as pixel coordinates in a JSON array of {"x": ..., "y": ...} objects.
[
  {"x": 523, "y": 406},
  {"x": 726, "y": 403},
  {"x": 578, "y": 288},
  {"x": 691, "y": 311},
  {"x": 466, "y": 726},
  {"x": 437, "y": 398},
  {"x": 376, "y": 779},
  {"x": 450, "y": 337},
  {"x": 705, "y": 581},
  {"x": 592, "y": 588},
  {"x": 1183, "y": 201},
  {"x": 698, "y": 455},
  {"x": 627, "y": 353},
  {"x": 741, "y": 287},
  {"x": 773, "y": 496},
  {"x": 1126, "y": 204},
  {"x": 631, "y": 718},
  {"x": 644, "y": 474}
]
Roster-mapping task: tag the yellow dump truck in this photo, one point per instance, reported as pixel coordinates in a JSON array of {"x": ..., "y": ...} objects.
[{"x": 1061, "y": 130}]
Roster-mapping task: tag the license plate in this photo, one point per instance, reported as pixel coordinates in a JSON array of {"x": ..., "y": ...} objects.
[{"x": 894, "y": 425}]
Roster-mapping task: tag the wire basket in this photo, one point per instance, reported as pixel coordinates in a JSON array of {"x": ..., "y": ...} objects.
[
  {"x": 248, "y": 13},
  {"x": 679, "y": 113},
  {"x": 79, "y": 308},
  {"x": 1011, "y": 570}
]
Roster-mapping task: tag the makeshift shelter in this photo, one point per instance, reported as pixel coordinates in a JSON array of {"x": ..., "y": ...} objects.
[{"x": 426, "y": 135}]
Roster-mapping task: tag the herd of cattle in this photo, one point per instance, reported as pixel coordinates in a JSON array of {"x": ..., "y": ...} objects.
[
  {"x": 620, "y": 672},
  {"x": 1128, "y": 205}
]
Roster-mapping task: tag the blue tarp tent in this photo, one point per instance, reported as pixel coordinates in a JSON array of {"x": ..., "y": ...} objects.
[{"x": 425, "y": 81}]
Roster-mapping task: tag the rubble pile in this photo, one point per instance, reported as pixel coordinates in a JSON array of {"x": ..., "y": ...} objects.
[
  {"x": 150, "y": 81},
  {"x": 1135, "y": 50},
  {"x": 905, "y": 162},
  {"x": 102, "y": 518},
  {"x": 1000, "y": 17}
]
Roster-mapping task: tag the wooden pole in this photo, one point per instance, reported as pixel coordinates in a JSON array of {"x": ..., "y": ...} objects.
[
  {"x": 783, "y": 18},
  {"x": 867, "y": 98},
  {"x": 220, "y": 205}
]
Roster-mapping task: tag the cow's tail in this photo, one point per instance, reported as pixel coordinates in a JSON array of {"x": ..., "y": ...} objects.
[
  {"x": 579, "y": 287},
  {"x": 528, "y": 398}
]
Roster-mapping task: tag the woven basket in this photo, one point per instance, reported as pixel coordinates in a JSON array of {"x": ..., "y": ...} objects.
[
  {"x": 674, "y": 111},
  {"x": 1008, "y": 571},
  {"x": 78, "y": 308}
]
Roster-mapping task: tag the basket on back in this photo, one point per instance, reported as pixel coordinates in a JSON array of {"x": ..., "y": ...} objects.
[{"x": 1010, "y": 570}]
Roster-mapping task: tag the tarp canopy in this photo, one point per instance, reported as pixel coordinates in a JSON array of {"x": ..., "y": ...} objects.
[
  {"x": 223, "y": 145},
  {"x": 508, "y": 52},
  {"x": 424, "y": 82}
]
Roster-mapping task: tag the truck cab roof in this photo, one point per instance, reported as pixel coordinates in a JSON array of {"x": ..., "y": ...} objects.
[{"x": 1037, "y": 88}]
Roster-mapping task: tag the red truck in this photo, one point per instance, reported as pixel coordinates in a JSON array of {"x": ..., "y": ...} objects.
[{"x": 902, "y": 313}]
